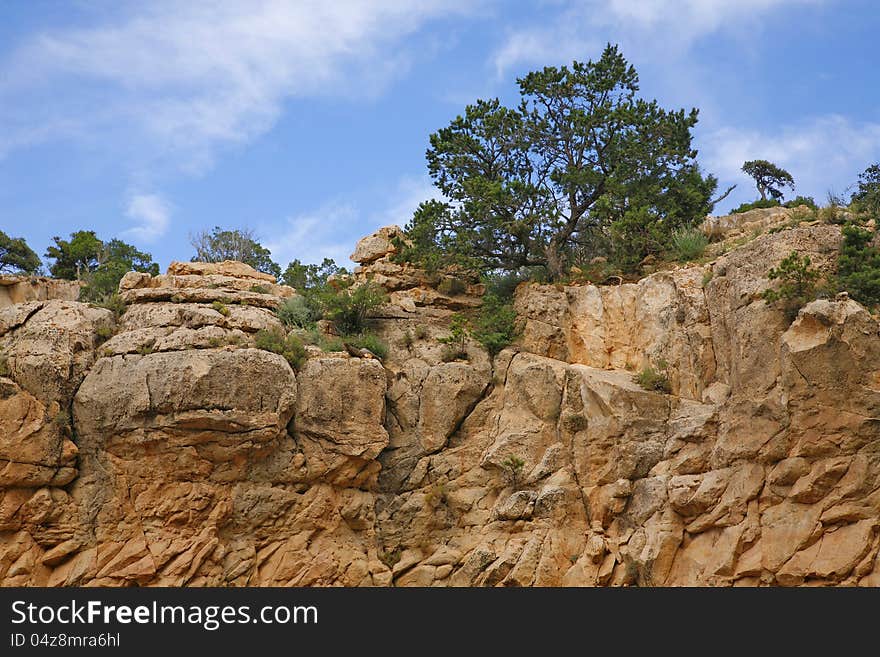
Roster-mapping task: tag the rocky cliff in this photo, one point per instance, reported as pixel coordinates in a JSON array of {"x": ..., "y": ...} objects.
[{"x": 162, "y": 448}]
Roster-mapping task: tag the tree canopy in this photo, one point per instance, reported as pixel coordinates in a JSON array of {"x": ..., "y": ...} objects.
[
  {"x": 305, "y": 277},
  {"x": 16, "y": 256},
  {"x": 233, "y": 244},
  {"x": 867, "y": 195},
  {"x": 582, "y": 167},
  {"x": 100, "y": 264},
  {"x": 768, "y": 178}
]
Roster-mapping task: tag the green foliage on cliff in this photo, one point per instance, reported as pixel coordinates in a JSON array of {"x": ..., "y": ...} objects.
[
  {"x": 581, "y": 164},
  {"x": 858, "y": 265},
  {"x": 16, "y": 256},
  {"x": 797, "y": 284}
]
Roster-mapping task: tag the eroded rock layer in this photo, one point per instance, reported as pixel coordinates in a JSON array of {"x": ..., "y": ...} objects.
[{"x": 163, "y": 448}]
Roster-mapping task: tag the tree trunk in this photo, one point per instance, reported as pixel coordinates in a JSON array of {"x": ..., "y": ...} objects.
[
  {"x": 762, "y": 190},
  {"x": 555, "y": 261}
]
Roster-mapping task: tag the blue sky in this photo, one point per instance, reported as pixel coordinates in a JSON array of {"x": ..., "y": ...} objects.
[{"x": 308, "y": 120}]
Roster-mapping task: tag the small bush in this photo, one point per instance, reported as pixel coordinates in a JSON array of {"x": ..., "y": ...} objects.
[
  {"x": 260, "y": 289},
  {"x": 145, "y": 349},
  {"x": 102, "y": 334},
  {"x": 331, "y": 345},
  {"x": 797, "y": 284},
  {"x": 436, "y": 495},
  {"x": 289, "y": 346},
  {"x": 214, "y": 342},
  {"x": 707, "y": 276},
  {"x": 420, "y": 332},
  {"x": 513, "y": 469},
  {"x": 4, "y": 365},
  {"x": 221, "y": 308},
  {"x": 452, "y": 286},
  {"x": 176, "y": 298},
  {"x": 350, "y": 307},
  {"x": 368, "y": 341},
  {"x": 858, "y": 266},
  {"x": 688, "y": 244},
  {"x": 802, "y": 200},
  {"x": 656, "y": 379},
  {"x": 113, "y": 303},
  {"x": 298, "y": 312},
  {"x": 756, "y": 205},
  {"x": 406, "y": 340},
  {"x": 456, "y": 342},
  {"x": 832, "y": 214},
  {"x": 495, "y": 326}
]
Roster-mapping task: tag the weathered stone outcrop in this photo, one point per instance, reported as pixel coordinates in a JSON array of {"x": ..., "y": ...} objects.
[
  {"x": 21, "y": 289},
  {"x": 164, "y": 449}
]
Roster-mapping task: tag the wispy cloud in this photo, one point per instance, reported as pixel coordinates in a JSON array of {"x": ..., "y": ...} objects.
[
  {"x": 311, "y": 236},
  {"x": 331, "y": 230},
  {"x": 581, "y": 27},
  {"x": 182, "y": 78},
  {"x": 822, "y": 153},
  {"x": 151, "y": 213}
]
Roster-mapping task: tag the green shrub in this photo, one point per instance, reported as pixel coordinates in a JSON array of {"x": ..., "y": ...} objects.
[
  {"x": 214, "y": 342},
  {"x": 350, "y": 306},
  {"x": 858, "y": 266},
  {"x": 420, "y": 332},
  {"x": 755, "y": 205},
  {"x": 368, "y": 341},
  {"x": 797, "y": 201},
  {"x": 102, "y": 334},
  {"x": 298, "y": 312},
  {"x": 145, "y": 349},
  {"x": 797, "y": 284},
  {"x": 330, "y": 345},
  {"x": 656, "y": 379},
  {"x": 289, "y": 346},
  {"x": 688, "y": 244},
  {"x": 455, "y": 344},
  {"x": 4, "y": 365},
  {"x": 495, "y": 326},
  {"x": 221, "y": 308},
  {"x": 513, "y": 468},
  {"x": 707, "y": 276},
  {"x": 503, "y": 286},
  {"x": 112, "y": 302},
  {"x": 260, "y": 289},
  {"x": 452, "y": 286}
]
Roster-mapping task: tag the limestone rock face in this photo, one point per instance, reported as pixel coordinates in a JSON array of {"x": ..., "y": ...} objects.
[
  {"x": 22, "y": 289},
  {"x": 164, "y": 449},
  {"x": 377, "y": 245}
]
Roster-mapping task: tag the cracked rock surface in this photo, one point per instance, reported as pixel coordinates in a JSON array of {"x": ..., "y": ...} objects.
[{"x": 162, "y": 448}]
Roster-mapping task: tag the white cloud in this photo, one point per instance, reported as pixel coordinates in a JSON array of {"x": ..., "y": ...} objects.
[
  {"x": 411, "y": 191},
  {"x": 152, "y": 213},
  {"x": 326, "y": 232},
  {"x": 582, "y": 26},
  {"x": 822, "y": 153},
  {"x": 332, "y": 229},
  {"x": 181, "y": 78}
]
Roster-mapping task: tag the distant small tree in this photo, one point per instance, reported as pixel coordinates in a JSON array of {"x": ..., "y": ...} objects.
[
  {"x": 235, "y": 244},
  {"x": 115, "y": 260},
  {"x": 797, "y": 284},
  {"x": 304, "y": 277},
  {"x": 17, "y": 256},
  {"x": 101, "y": 265},
  {"x": 866, "y": 198},
  {"x": 768, "y": 178},
  {"x": 76, "y": 257}
]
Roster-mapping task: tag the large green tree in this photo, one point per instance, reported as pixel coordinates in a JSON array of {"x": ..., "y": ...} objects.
[
  {"x": 233, "y": 244},
  {"x": 768, "y": 178},
  {"x": 581, "y": 165},
  {"x": 101, "y": 265},
  {"x": 17, "y": 256}
]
